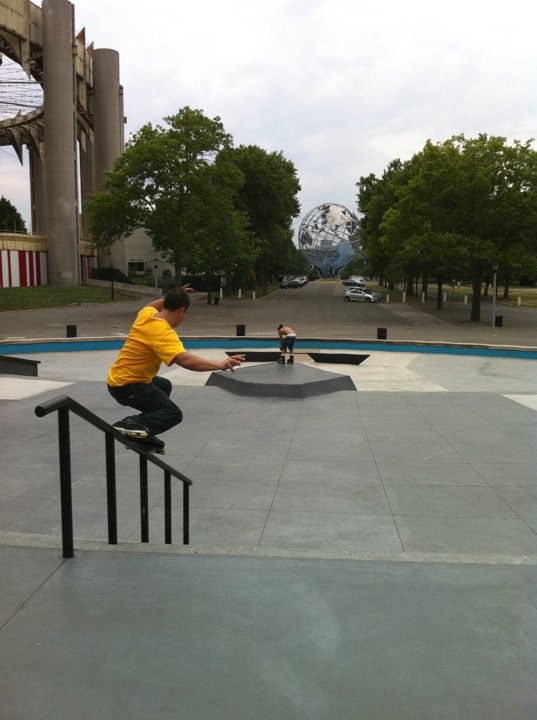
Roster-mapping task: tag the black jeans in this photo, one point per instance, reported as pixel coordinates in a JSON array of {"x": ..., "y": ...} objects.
[{"x": 158, "y": 412}]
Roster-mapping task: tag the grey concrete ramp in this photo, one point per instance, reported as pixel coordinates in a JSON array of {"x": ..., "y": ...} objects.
[
  {"x": 273, "y": 380},
  {"x": 318, "y": 357},
  {"x": 338, "y": 358}
]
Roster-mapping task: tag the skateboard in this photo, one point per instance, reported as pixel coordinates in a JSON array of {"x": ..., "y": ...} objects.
[{"x": 151, "y": 444}]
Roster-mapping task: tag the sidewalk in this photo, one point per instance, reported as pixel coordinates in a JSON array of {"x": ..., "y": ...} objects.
[
  {"x": 317, "y": 310},
  {"x": 364, "y": 553}
]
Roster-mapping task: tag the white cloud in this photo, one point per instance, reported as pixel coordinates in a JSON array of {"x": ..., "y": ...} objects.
[{"x": 341, "y": 87}]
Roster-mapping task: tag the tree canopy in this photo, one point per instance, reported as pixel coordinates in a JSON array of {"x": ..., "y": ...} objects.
[
  {"x": 10, "y": 218},
  {"x": 455, "y": 209},
  {"x": 204, "y": 204},
  {"x": 268, "y": 197}
]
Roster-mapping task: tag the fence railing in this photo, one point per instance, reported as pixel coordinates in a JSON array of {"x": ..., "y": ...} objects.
[{"x": 63, "y": 405}]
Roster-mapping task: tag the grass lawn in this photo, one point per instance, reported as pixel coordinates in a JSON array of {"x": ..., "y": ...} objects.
[
  {"x": 45, "y": 296},
  {"x": 527, "y": 295}
]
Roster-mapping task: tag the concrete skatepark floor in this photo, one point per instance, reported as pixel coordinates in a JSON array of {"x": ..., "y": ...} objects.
[{"x": 369, "y": 551}]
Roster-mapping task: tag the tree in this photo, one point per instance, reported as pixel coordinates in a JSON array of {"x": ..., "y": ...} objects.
[
  {"x": 375, "y": 197},
  {"x": 269, "y": 199},
  {"x": 10, "y": 218},
  {"x": 417, "y": 230},
  {"x": 465, "y": 205},
  {"x": 223, "y": 243},
  {"x": 169, "y": 182}
]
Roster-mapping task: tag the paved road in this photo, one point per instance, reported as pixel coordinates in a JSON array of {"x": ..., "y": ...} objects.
[{"x": 316, "y": 310}]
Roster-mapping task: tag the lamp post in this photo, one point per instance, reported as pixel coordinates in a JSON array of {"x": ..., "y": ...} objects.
[
  {"x": 156, "y": 276},
  {"x": 495, "y": 268}
]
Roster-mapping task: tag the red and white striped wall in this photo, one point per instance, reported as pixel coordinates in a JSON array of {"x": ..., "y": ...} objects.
[{"x": 23, "y": 268}]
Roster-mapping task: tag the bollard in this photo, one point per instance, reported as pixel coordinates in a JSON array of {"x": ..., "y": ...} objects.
[
  {"x": 71, "y": 330},
  {"x": 241, "y": 330},
  {"x": 382, "y": 333}
]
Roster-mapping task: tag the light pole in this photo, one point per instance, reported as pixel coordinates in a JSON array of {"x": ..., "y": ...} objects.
[
  {"x": 156, "y": 275},
  {"x": 495, "y": 268}
]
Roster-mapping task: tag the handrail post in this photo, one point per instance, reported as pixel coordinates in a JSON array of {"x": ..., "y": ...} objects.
[
  {"x": 167, "y": 508},
  {"x": 144, "y": 500},
  {"x": 64, "y": 442},
  {"x": 111, "y": 494},
  {"x": 186, "y": 514}
]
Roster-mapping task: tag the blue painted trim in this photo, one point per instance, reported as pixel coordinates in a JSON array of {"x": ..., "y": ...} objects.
[
  {"x": 57, "y": 346},
  {"x": 76, "y": 345}
]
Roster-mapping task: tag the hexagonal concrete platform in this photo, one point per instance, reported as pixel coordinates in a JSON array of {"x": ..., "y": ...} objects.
[{"x": 273, "y": 380}]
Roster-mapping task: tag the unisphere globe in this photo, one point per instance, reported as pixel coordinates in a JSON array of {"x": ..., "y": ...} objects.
[{"x": 328, "y": 237}]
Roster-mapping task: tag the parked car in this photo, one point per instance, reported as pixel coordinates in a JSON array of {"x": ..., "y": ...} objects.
[
  {"x": 356, "y": 294},
  {"x": 295, "y": 282},
  {"x": 354, "y": 282}
]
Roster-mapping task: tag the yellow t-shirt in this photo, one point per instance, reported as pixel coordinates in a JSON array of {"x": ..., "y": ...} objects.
[{"x": 151, "y": 341}]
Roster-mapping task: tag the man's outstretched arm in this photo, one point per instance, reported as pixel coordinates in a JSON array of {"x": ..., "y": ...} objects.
[{"x": 189, "y": 361}]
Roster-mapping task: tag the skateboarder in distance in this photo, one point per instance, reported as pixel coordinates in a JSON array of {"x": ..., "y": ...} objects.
[{"x": 287, "y": 342}]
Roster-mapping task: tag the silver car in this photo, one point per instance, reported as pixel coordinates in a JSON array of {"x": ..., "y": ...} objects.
[{"x": 358, "y": 295}]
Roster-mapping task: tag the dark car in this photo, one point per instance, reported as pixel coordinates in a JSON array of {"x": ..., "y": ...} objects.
[{"x": 297, "y": 282}]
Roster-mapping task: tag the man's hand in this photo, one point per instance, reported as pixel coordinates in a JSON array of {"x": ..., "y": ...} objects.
[
  {"x": 187, "y": 289},
  {"x": 232, "y": 362}
]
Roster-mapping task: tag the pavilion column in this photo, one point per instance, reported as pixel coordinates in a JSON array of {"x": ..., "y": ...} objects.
[
  {"x": 108, "y": 129},
  {"x": 87, "y": 181},
  {"x": 38, "y": 193},
  {"x": 60, "y": 143}
]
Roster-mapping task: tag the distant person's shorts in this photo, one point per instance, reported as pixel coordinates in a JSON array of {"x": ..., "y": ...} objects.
[{"x": 288, "y": 343}]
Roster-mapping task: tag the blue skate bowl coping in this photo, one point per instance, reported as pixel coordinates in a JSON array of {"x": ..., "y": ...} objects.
[{"x": 30, "y": 347}]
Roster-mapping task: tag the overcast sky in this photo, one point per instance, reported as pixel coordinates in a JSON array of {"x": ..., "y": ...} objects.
[{"x": 341, "y": 87}]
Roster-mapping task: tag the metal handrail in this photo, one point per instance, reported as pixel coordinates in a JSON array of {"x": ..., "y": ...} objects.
[{"x": 63, "y": 405}]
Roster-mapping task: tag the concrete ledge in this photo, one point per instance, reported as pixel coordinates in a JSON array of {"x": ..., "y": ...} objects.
[{"x": 18, "y": 366}]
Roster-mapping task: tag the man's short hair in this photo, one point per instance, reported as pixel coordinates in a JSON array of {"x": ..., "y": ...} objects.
[{"x": 176, "y": 298}]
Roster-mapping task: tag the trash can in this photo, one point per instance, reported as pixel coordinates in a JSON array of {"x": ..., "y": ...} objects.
[
  {"x": 382, "y": 333},
  {"x": 217, "y": 300},
  {"x": 241, "y": 330},
  {"x": 498, "y": 321},
  {"x": 71, "y": 330}
]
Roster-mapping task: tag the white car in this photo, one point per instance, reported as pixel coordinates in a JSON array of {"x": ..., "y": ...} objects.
[{"x": 358, "y": 295}]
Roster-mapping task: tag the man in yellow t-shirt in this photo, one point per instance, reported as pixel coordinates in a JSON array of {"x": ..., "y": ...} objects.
[{"x": 133, "y": 381}]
